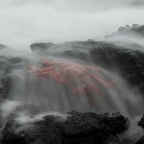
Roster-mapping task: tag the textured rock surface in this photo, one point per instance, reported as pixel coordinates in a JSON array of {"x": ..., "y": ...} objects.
[
  {"x": 141, "y": 122},
  {"x": 71, "y": 128},
  {"x": 129, "y": 63}
]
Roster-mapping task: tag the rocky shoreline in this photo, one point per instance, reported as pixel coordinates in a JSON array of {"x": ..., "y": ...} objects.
[
  {"x": 134, "y": 31},
  {"x": 74, "y": 127}
]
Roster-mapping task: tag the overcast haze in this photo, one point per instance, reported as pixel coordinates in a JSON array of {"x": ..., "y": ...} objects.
[{"x": 27, "y": 21}]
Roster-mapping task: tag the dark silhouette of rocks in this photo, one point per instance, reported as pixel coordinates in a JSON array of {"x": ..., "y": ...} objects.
[
  {"x": 70, "y": 128},
  {"x": 135, "y": 31},
  {"x": 38, "y": 47},
  {"x": 140, "y": 141},
  {"x": 141, "y": 124},
  {"x": 2, "y": 46}
]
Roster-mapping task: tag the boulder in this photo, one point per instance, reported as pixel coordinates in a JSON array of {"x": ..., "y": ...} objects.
[
  {"x": 128, "y": 61},
  {"x": 70, "y": 128},
  {"x": 38, "y": 47},
  {"x": 141, "y": 124}
]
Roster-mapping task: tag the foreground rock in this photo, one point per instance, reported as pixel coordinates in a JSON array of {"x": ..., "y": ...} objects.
[
  {"x": 135, "y": 31},
  {"x": 69, "y": 128}
]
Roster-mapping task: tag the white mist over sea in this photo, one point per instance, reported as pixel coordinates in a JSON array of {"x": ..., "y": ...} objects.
[{"x": 27, "y": 21}]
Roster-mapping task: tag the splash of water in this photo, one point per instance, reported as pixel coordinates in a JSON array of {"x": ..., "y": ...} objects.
[{"x": 61, "y": 84}]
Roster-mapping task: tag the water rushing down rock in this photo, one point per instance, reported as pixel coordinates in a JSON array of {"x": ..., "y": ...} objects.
[{"x": 33, "y": 84}]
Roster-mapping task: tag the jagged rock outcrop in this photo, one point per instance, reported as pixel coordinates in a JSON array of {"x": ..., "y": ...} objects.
[
  {"x": 141, "y": 122},
  {"x": 69, "y": 128},
  {"x": 135, "y": 31}
]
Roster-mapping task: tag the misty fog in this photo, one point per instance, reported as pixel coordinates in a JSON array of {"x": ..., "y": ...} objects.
[{"x": 27, "y": 21}]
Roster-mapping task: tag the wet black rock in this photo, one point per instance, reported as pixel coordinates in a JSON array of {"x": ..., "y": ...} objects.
[
  {"x": 135, "y": 31},
  {"x": 7, "y": 65},
  {"x": 129, "y": 62},
  {"x": 141, "y": 124},
  {"x": 69, "y": 128},
  {"x": 140, "y": 141},
  {"x": 38, "y": 47}
]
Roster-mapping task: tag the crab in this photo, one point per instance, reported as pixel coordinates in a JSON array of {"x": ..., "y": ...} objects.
[{"x": 79, "y": 78}]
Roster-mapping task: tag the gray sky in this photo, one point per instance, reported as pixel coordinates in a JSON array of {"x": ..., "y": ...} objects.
[{"x": 27, "y": 21}]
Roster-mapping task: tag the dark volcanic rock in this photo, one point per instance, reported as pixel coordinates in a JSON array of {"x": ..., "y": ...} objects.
[
  {"x": 141, "y": 124},
  {"x": 38, "y": 47},
  {"x": 141, "y": 141},
  {"x": 72, "y": 128},
  {"x": 135, "y": 31},
  {"x": 7, "y": 65},
  {"x": 128, "y": 62}
]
